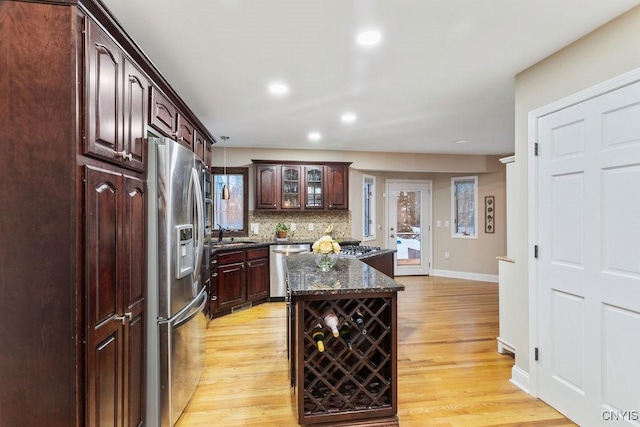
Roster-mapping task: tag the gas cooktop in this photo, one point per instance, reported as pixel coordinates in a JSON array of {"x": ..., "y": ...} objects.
[{"x": 354, "y": 251}]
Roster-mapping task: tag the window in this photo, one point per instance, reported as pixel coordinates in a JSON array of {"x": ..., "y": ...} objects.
[
  {"x": 464, "y": 202},
  {"x": 232, "y": 214},
  {"x": 369, "y": 207}
]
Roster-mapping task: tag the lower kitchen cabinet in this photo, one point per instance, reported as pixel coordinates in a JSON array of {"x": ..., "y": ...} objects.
[
  {"x": 238, "y": 277},
  {"x": 257, "y": 274},
  {"x": 116, "y": 287},
  {"x": 232, "y": 279}
]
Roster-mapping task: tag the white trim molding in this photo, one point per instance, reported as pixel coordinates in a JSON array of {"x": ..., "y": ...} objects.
[
  {"x": 481, "y": 277},
  {"x": 520, "y": 379}
]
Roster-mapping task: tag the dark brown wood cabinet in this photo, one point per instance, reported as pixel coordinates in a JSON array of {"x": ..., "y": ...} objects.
[
  {"x": 232, "y": 289},
  {"x": 337, "y": 186},
  {"x": 115, "y": 221},
  {"x": 267, "y": 187},
  {"x": 238, "y": 277},
  {"x": 117, "y": 94},
  {"x": 186, "y": 133},
  {"x": 301, "y": 186},
  {"x": 257, "y": 274},
  {"x": 383, "y": 262},
  {"x": 314, "y": 188},
  {"x": 73, "y": 302},
  {"x": 135, "y": 106},
  {"x": 163, "y": 115}
]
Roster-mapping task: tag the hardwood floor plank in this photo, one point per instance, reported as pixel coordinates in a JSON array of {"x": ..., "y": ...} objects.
[{"x": 449, "y": 371}]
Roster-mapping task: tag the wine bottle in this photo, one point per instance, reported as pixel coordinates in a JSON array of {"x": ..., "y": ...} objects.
[
  {"x": 331, "y": 320},
  {"x": 358, "y": 319},
  {"x": 318, "y": 336},
  {"x": 345, "y": 334}
]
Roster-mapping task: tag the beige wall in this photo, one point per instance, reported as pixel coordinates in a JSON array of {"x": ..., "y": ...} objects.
[
  {"x": 611, "y": 50},
  {"x": 467, "y": 255}
]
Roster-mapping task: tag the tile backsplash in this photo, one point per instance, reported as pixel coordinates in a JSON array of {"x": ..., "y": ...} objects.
[{"x": 267, "y": 221}]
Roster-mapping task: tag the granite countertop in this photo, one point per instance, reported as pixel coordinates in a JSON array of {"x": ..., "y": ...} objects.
[
  {"x": 349, "y": 275},
  {"x": 248, "y": 242}
]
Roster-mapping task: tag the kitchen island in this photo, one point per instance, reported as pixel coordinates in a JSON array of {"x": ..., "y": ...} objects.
[{"x": 354, "y": 378}]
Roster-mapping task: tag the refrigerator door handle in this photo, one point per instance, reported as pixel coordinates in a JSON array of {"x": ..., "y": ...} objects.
[
  {"x": 200, "y": 214},
  {"x": 193, "y": 313}
]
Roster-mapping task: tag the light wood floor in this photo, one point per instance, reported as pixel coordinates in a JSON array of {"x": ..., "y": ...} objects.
[{"x": 449, "y": 372}]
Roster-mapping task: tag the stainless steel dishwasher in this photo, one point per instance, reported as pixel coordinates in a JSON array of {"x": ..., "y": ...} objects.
[{"x": 277, "y": 267}]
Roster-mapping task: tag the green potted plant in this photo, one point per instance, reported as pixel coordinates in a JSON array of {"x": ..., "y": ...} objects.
[{"x": 281, "y": 230}]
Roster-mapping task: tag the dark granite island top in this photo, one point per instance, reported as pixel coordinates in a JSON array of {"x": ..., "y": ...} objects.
[
  {"x": 351, "y": 379},
  {"x": 349, "y": 276}
]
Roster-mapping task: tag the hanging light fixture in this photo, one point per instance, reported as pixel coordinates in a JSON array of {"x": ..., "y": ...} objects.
[{"x": 225, "y": 187}]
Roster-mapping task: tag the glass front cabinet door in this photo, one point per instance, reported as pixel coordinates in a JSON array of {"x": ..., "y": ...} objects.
[
  {"x": 290, "y": 187},
  {"x": 314, "y": 182}
]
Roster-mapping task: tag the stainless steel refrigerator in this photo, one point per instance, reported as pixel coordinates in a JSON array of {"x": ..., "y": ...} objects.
[{"x": 176, "y": 297}]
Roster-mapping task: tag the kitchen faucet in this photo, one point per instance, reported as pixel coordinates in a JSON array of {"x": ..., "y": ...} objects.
[{"x": 221, "y": 230}]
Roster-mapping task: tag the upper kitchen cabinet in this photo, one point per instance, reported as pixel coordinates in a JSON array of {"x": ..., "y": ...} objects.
[
  {"x": 163, "y": 115},
  {"x": 202, "y": 147},
  {"x": 290, "y": 189},
  {"x": 186, "y": 133},
  {"x": 267, "y": 187},
  {"x": 314, "y": 187},
  {"x": 337, "y": 186},
  {"x": 301, "y": 186},
  {"x": 117, "y": 93}
]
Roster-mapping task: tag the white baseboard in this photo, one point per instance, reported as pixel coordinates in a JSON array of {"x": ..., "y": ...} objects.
[
  {"x": 520, "y": 379},
  {"x": 465, "y": 275}
]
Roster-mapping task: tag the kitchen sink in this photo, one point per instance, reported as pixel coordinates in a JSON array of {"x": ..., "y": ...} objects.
[{"x": 230, "y": 243}]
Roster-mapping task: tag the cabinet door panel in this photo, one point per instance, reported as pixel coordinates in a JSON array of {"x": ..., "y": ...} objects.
[
  {"x": 136, "y": 89},
  {"x": 314, "y": 187},
  {"x": 134, "y": 284},
  {"x": 199, "y": 143},
  {"x": 163, "y": 114},
  {"x": 231, "y": 285},
  {"x": 208, "y": 147},
  {"x": 134, "y": 240},
  {"x": 103, "y": 94},
  {"x": 290, "y": 188},
  {"x": 186, "y": 133},
  {"x": 257, "y": 279},
  {"x": 103, "y": 403},
  {"x": 103, "y": 220},
  {"x": 267, "y": 183},
  {"x": 135, "y": 372},
  {"x": 104, "y": 297},
  {"x": 337, "y": 187}
]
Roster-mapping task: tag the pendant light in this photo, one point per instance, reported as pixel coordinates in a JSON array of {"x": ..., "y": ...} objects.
[{"x": 225, "y": 187}]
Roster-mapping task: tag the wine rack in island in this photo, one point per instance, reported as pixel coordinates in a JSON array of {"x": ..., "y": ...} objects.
[{"x": 353, "y": 378}]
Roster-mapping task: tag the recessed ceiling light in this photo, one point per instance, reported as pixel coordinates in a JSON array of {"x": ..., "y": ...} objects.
[
  {"x": 461, "y": 141},
  {"x": 369, "y": 38},
  {"x": 348, "y": 118},
  {"x": 278, "y": 88},
  {"x": 314, "y": 136}
]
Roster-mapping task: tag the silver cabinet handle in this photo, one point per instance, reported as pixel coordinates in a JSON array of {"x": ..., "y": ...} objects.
[
  {"x": 124, "y": 155},
  {"x": 124, "y": 318},
  {"x": 214, "y": 298}
]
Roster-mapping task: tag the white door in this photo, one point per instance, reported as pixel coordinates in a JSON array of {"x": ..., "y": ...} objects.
[
  {"x": 589, "y": 258},
  {"x": 409, "y": 226}
]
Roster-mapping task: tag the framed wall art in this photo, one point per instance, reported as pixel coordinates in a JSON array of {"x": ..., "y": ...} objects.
[{"x": 489, "y": 214}]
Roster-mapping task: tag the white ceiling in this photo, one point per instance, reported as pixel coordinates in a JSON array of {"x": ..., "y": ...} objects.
[{"x": 443, "y": 72}]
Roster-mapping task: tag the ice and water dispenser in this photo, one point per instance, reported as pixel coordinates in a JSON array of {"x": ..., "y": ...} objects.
[{"x": 184, "y": 246}]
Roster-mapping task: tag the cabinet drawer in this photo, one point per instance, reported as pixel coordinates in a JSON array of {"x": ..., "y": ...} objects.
[
  {"x": 230, "y": 257},
  {"x": 257, "y": 253}
]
